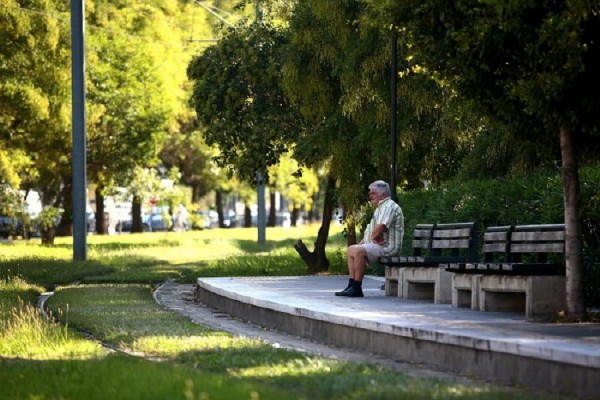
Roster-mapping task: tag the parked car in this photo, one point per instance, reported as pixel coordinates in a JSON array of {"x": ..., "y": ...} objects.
[
  {"x": 11, "y": 226},
  {"x": 156, "y": 220},
  {"x": 205, "y": 220},
  {"x": 283, "y": 219},
  {"x": 8, "y": 226}
]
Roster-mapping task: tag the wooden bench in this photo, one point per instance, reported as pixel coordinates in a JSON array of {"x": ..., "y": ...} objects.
[
  {"x": 465, "y": 285},
  {"x": 421, "y": 244},
  {"x": 420, "y": 276},
  {"x": 529, "y": 275}
]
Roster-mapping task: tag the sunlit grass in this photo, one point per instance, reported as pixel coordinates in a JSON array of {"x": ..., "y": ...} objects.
[
  {"x": 117, "y": 377},
  {"x": 48, "y": 360},
  {"x": 127, "y": 316},
  {"x": 15, "y": 290},
  {"x": 26, "y": 333},
  {"x": 158, "y": 256}
]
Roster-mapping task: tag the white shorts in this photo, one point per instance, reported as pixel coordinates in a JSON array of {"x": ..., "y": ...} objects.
[{"x": 374, "y": 251}]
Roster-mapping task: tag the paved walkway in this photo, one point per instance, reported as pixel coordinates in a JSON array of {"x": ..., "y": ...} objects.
[
  {"x": 316, "y": 293},
  {"x": 418, "y": 331},
  {"x": 180, "y": 298}
]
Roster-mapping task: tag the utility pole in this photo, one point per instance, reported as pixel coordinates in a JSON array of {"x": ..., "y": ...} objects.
[
  {"x": 393, "y": 112},
  {"x": 78, "y": 165},
  {"x": 261, "y": 220},
  {"x": 258, "y": 11}
]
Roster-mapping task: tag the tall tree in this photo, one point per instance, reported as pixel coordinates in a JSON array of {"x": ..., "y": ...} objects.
[
  {"x": 532, "y": 65},
  {"x": 238, "y": 99},
  {"x": 34, "y": 94},
  {"x": 189, "y": 152},
  {"x": 127, "y": 119},
  {"x": 297, "y": 185},
  {"x": 137, "y": 93},
  {"x": 321, "y": 34},
  {"x": 337, "y": 69}
]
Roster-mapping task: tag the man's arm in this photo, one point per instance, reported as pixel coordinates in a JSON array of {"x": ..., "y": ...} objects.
[{"x": 377, "y": 233}]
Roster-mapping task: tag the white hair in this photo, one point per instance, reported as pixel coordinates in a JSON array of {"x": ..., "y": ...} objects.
[{"x": 381, "y": 187}]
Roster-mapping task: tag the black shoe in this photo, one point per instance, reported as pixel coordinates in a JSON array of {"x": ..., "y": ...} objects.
[
  {"x": 342, "y": 292},
  {"x": 351, "y": 292}
]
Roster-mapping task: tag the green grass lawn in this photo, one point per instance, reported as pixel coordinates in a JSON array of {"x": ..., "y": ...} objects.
[{"x": 163, "y": 355}]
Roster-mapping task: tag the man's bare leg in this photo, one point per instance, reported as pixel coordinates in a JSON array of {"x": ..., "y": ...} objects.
[{"x": 357, "y": 263}]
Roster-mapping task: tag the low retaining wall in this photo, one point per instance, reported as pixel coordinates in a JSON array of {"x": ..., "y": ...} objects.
[{"x": 422, "y": 347}]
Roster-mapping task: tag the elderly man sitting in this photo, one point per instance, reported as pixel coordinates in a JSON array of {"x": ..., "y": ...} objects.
[{"x": 383, "y": 237}]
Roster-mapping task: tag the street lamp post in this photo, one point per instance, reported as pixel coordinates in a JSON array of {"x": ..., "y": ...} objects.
[
  {"x": 79, "y": 176},
  {"x": 393, "y": 112}
]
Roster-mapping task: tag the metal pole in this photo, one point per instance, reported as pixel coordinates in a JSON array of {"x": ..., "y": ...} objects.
[
  {"x": 261, "y": 220},
  {"x": 393, "y": 112},
  {"x": 78, "y": 121},
  {"x": 257, "y": 11}
]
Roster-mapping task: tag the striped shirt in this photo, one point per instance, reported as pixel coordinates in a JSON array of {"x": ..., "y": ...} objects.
[{"x": 390, "y": 214}]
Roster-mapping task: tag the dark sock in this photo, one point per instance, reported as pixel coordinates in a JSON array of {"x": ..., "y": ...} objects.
[
  {"x": 358, "y": 284},
  {"x": 351, "y": 282}
]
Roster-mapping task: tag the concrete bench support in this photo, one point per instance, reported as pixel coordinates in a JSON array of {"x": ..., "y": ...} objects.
[
  {"x": 465, "y": 291},
  {"x": 393, "y": 281},
  {"x": 427, "y": 283},
  {"x": 543, "y": 295},
  {"x": 419, "y": 275}
]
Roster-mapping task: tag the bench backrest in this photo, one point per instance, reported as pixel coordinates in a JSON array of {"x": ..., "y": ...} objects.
[
  {"x": 452, "y": 238},
  {"x": 422, "y": 238},
  {"x": 541, "y": 240},
  {"x": 496, "y": 243}
]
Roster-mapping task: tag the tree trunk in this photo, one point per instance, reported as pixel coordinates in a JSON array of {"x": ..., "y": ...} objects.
[
  {"x": 195, "y": 192},
  {"x": 48, "y": 235},
  {"x": 247, "y": 216},
  {"x": 171, "y": 212},
  {"x": 219, "y": 205},
  {"x": 311, "y": 212},
  {"x": 294, "y": 216},
  {"x": 101, "y": 227},
  {"x": 316, "y": 261},
  {"x": 65, "y": 226},
  {"x": 136, "y": 215},
  {"x": 272, "y": 211},
  {"x": 351, "y": 233},
  {"x": 573, "y": 239}
]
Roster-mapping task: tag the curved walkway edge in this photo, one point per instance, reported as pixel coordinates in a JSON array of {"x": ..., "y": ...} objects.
[{"x": 181, "y": 298}]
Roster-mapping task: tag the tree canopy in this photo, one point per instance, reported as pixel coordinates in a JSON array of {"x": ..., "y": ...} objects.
[
  {"x": 530, "y": 65},
  {"x": 238, "y": 98}
]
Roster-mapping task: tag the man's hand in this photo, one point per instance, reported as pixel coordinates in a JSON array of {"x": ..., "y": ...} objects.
[
  {"x": 377, "y": 234},
  {"x": 379, "y": 239}
]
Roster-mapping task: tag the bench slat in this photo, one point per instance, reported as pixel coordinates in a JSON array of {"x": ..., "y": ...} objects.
[
  {"x": 539, "y": 227},
  {"x": 495, "y": 236},
  {"x": 452, "y": 233},
  {"x": 496, "y": 247},
  {"x": 541, "y": 236},
  {"x": 421, "y": 233},
  {"x": 537, "y": 247},
  {"x": 423, "y": 244},
  {"x": 451, "y": 244}
]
